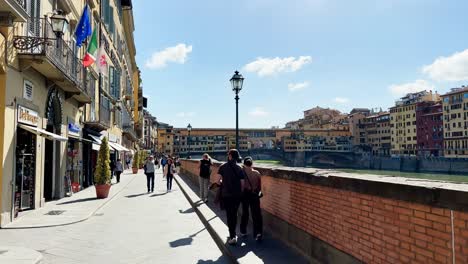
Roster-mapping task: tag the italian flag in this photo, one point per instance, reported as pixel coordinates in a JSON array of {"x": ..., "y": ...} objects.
[{"x": 91, "y": 53}]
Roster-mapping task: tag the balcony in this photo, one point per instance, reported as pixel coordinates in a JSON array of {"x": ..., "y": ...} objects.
[
  {"x": 15, "y": 10},
  {"x": 38, "y": 47},
  {"x": 103, "y": 122}
]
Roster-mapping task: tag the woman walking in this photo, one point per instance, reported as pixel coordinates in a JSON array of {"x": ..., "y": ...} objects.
[
  {"x": 251, "y": 200},
  {"x": 204, "y": 165},
  {"x": 169, "y": 171}
]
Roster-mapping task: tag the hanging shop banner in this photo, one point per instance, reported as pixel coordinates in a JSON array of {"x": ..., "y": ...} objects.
[{"x": 27, "y": 116}]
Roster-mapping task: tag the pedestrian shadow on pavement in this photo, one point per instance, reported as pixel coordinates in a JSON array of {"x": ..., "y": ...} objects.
[
  {"x": 158, "y": 194},
  {"x": 187, "y": 211},
  {"x": 185, "y": 241},
  {"x": 78, "y": 200},
  {"x": 135, "y": 195},
  {"x": 221, "y": 259}
]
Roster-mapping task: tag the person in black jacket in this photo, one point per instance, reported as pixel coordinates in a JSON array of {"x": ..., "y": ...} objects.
[
  {"x": 231, "y": 180},
  {"x": 204, "y": 166}
]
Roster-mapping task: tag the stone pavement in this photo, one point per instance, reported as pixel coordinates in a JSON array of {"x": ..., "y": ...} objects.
[
  {"x": 73, "y": 209},
  {"x": 270, "y": 250},
  {"x": 133, "y": 227}
]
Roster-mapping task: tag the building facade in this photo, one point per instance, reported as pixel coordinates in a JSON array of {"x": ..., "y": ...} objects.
[
  {"x": 58, "y": 109},
  {"x": 455, "y": 111},
  {"x": 429, "y": 129},
  {"x": 403, "y": 122},
  {"x": 377, "y": 133}
]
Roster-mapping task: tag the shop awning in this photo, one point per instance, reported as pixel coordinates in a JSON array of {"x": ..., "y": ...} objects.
[
  {"x": 43, "y": 133},
  {"x": 118, "y": 147},
  {"x": 97, "y": 140},
  {"x": 96, "y": 147},
  {"x": 80, "y": 138}
]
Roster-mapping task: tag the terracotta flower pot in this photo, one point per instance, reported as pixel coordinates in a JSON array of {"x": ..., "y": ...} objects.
[
  {"x": 102, "y": 190},
  {"x": 135, "y": 170}
]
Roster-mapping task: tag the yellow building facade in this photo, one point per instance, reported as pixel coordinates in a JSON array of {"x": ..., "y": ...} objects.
[
  {"x": 403, "y": 122},
  {"x": 51, "y": 103},
  {"x": 455, "y": 114}
]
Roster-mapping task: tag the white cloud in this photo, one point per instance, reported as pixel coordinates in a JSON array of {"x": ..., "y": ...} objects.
[
  {"x": 405, "y": 88},
  {"x": 258, "y": 112},
  {"x": 176, "y": 54},
  {"x": 185, "y": 114},
  {"x": 272, "y": 66},
  {"x": 452, "y": 68},
  {"x": 341, "y": 100},
  {"x": 292, "y": 87}
]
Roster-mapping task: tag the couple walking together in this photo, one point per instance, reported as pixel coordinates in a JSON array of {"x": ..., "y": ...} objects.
[
  {"x": 150, "y": 169},
  {"x": 238, "y": 185}
]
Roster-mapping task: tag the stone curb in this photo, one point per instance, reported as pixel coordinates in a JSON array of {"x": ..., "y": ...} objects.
[
  {"x": 208, "y": 218},
  {"x": 80, "y": 220},
  {"x": 19, "y": 255}
]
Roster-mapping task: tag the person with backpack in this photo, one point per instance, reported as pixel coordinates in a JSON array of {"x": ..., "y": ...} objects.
[
  {"x": 231, "y": 181},
  {"x": 169, "y": 171},
  {"x": 204, "y": 166},
  {"x": 251, "y": 200}
]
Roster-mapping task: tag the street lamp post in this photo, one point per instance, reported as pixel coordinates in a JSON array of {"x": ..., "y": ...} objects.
[
  {"x": 189, "y": 129},
  {"x": 236, "y": 81}
]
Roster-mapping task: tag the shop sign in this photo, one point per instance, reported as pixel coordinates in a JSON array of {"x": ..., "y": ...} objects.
[
  {"x": 27, "y": 116},
  {"x": 74, "y": 129}
]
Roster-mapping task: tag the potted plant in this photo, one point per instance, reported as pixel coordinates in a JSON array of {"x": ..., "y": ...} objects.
[
  {"x": 143, "y": 155},
  {"x": 135, "y": 162},
  {"x": 102, "y": 175}
]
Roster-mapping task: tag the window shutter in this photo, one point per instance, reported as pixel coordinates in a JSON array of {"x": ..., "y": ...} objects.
[
  {"x": 28, "y": 90},
  {"x": 111, "y": 22},
  {"x": 111, "y": 80}
]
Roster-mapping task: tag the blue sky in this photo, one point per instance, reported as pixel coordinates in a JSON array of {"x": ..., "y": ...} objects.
[{"x": 294, "y": 55}]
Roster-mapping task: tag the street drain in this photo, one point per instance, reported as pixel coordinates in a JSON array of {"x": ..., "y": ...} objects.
[
  {"x": 55, "y": 212},
  {"x": 99, "y": 214}
]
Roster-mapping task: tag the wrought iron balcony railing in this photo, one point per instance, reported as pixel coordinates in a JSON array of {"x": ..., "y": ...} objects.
[{"x": 35, "y": 38}]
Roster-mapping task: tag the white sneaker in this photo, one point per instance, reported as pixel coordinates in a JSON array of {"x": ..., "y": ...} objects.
[{"x": 232, "y": 241}]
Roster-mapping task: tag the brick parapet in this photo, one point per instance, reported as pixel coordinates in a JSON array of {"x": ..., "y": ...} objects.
[{"x": 373, "y": 219}]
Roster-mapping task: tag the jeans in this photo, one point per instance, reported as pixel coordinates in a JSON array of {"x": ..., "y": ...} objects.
[
  {"x": 169, "y": 181},
  {"x": 150, "y": 179},
  {"x": 117, "y": 174},
  {"x": 231, "y": 205},
  {"x": 204, "y": 184},
  {"x": 252, "y": 201}
]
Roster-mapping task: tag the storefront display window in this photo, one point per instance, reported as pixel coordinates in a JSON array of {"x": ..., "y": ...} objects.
[{"x": 25, "y": 170}]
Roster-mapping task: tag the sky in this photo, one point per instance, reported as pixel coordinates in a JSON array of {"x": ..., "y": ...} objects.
[{"x": 294, "y": 55}]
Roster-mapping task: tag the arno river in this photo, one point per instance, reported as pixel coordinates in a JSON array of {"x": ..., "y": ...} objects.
[{"x": 429, "y": 176}]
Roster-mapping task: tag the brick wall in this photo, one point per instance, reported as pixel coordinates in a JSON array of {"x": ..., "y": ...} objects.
[{"x": 371, "y": 228}]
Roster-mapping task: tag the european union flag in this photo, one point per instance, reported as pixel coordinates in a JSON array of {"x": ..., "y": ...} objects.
[{"x": 83, "y": 29}]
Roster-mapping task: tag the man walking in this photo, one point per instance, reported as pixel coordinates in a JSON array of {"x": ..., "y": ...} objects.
[
  {"x": 251, "y": 199},
  {"x": 118, "y": 169},
  {"x": 149, "y": 171},
  {"x": 232, "y": 182}
]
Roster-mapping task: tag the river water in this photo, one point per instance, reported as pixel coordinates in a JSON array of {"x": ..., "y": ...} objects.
[{"x": 429, "y": 176}]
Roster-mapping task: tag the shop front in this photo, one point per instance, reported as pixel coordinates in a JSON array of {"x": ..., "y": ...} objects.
[
  {"x": 75, "y": 148},
  {"x": 27, "y": 133}
]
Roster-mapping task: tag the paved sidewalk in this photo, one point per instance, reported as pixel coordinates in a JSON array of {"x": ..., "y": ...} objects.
[
  {"x": 74, "y": 209},
  {"x": 134, "y": 227},
  {"x": 247, "y": 250}
]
